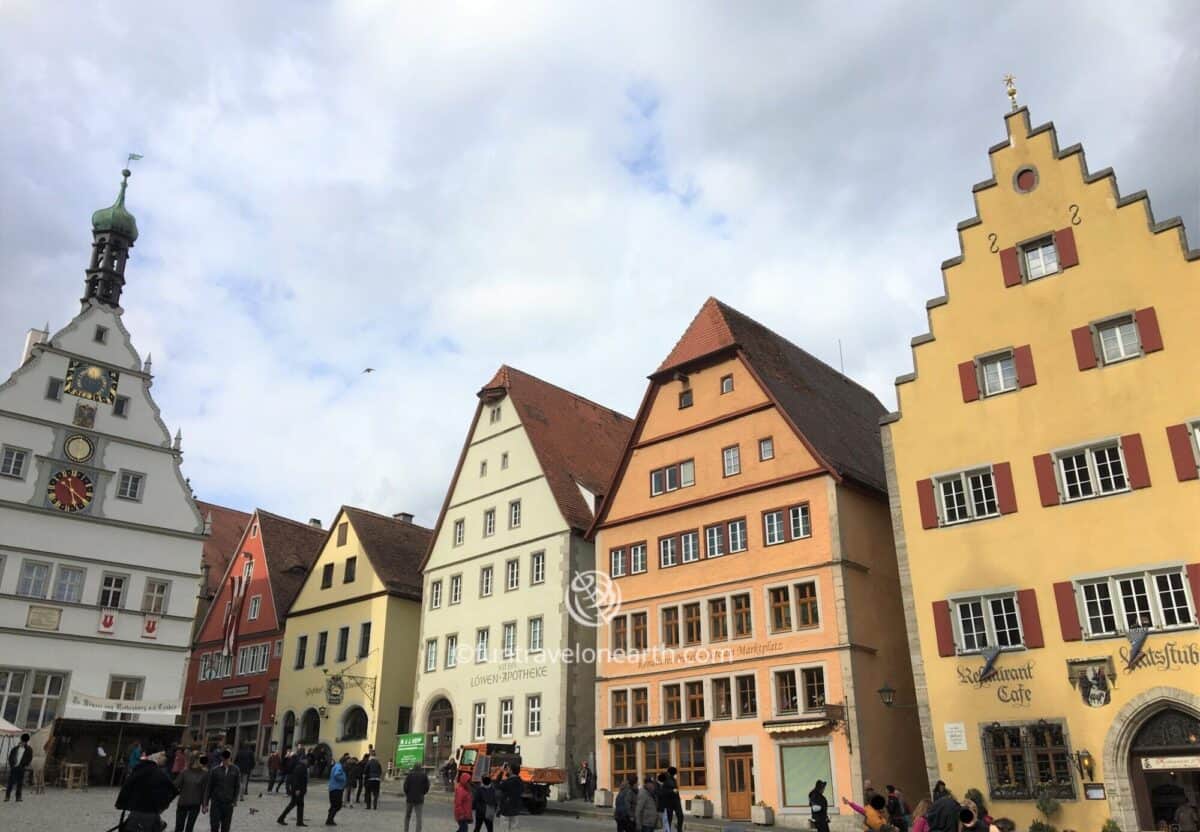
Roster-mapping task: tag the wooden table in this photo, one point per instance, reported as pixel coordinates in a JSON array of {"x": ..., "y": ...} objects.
[{"x": 74, "y": 776}]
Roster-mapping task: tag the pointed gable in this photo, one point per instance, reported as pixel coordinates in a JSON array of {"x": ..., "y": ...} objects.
[
  {"x": 227, "y": 527},
  {"x": 708, "y": 333},
  {"x": 395, "y": 549},
  {"x": 577, "y": 442},
  {"x": 290, "y": 549}
]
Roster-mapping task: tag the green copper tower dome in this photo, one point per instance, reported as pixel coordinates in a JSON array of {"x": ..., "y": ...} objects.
[{"x": 116, "y": 218}]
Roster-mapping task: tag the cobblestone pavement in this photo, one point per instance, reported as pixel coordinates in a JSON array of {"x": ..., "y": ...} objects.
[{"x": 92, "y": 811}]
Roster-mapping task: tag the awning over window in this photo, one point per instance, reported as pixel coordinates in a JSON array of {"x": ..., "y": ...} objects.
[{"x": 795, "y": 727}]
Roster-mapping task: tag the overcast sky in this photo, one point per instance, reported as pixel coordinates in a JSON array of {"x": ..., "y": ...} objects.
[{"x": 433, "y": 190}]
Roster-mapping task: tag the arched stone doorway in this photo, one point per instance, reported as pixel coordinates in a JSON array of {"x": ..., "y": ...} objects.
[
  {"x": 289, "y": 729},
  {"x": 439, "y": 733},
  {"x": 310, "y": 727},
  {"x": 1152, "y": 757},
  {"x": 354, "y": 724}
]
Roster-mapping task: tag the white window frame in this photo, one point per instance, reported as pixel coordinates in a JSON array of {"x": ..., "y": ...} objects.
[
  {"x": 46, "y": 579},
  {"x": 460, "y": 531},
  {"x": 149, "y": 598},
  {"x": 455, "y": 590},
  {"x": 479, "y": 722},
  {"x": 514, "y": 514},
  {"x": 637, "y": 555},
  {"x": 966, "y": 481},
  {"x": 728, "y": 377},
  {"x": 1091, "y": 466},
  {"x": 1118, "y": 324},
  {"x": 766, "y": 448},
  {"x": 131, "y": 485},
  {"x": 537, "y": 567},
  {"x": 508, "y": 640},
  {"x": 506, "y": 717},
  {"x": 731, "y": 460},
  {"x": 668, "y": 552},
  {"x": 486, "y": 581},
  {"x": 512, "y": 574},
  {"x": 803, "y": 514},
  {"x": 1005, "y": 382},
  {"x": 435, "y": 594},
  {"x": 537, "y": 634},
  {"x": 14, "y": 461},
  {"x": 122, "y": 592},
  {"x": 76, "y": 595},
  {"x": 987, "y": 602},
  {"x": 255, "y": 607},
  {"x": 431, "y": 655},
  {"x": 483, "y": 637},
  {"x": 254, "y": 659},
  {"x": 745, "y": 543},
  {"x": 1119, "y": 602},
  {"x": 533, "y": 714},
  {"x": 775, "y": 532},
  {"x": 616, "y": 563},
  {"x": 504, "y": 461},
  {"x": 689, "y": 547},
  {"x": 489, "y": 522},
  {"x": 714, "y": 540},
  {"x": 1037, "y": 267},
  {"x": 451, "y": 659}
]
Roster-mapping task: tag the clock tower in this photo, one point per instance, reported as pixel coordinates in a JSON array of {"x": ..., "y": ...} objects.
[{"x": 100, "y": 538}]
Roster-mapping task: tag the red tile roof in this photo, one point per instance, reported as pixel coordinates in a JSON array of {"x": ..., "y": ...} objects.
[
  {"x": 291, "y": 548},
  {"x": 577, "y": 441},
  {"x": 838, "y": 417},
  {"x": 228, "y": 526},
  {"x": 394, "y": 547}
]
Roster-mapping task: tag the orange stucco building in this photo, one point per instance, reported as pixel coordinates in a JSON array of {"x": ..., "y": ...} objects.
[{"x": 748, "y": 532}]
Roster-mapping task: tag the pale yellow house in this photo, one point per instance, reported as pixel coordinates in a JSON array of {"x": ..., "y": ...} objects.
[{"x": 357, "y": 614}]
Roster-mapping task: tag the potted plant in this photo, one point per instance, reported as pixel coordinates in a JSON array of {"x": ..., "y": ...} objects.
[
  {"x": 700, "y": 807},
  {"x": 603, "y": 798},
  {"x": 762, "y": 814}
]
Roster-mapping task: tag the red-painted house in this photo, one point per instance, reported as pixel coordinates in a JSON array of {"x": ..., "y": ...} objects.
[{"x": 231, "y": 698}]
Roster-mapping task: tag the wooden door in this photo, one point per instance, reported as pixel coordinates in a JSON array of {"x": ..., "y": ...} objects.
[{"x": 738, "y": 785}]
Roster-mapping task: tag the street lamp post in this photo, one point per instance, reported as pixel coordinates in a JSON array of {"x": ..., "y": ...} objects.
[{"x": 887, "y": 695}]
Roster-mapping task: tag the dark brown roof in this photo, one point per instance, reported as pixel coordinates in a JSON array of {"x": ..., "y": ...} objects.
[
  {"x": 228, "y": 526},
  {"x": 394, "y": 547},
  {"x": 291, "y": 548},
  {"x": 838, "y": 417},
  {"x": 576, "y": 440}
]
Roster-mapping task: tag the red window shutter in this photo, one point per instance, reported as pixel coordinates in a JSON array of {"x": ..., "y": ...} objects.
[
  {"x": 1031, "y": 619},
  {"x": 1043, "y": 467},
  {"x": 1180, "y": 439},
  {"x": 1006, "y": 497},
  {"x": 1023, "y": 359},
  {"x": 929, "y": 518},
  {"x": 1068, "y": 613},
  {"x": 1011, "y": 267},
  {"x": 1148, "y": 331},
  {"x": 943, "y": 627},
  {"x": 1064, "y": 241},
  {"x": 969, "y": 381},
  {"x": 1193, "y": 576},
  {"x": 1085, "y": 348},
  {"x": 1135, "y": 461}
]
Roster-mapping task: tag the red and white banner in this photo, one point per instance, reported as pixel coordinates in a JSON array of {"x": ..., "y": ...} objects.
[
  {"x": 108, "y": 622},
  {"x": 233, "y": 611},
  {"x": 150, "y": 626}
]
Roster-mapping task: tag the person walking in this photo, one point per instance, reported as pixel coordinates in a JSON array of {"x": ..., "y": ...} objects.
[
  {"x": 372, "y": 776},
  {"x": 897, "y": 811},
  {"x": 586, "y": 779},
  {"x": 245, "y": 764},
  {"x": 942, "y": 815},
  {"x": 337, "y": 788},
  {"x": 20, "y": 757},
  {"x": 180, "y": 762},
  {"x": 145, "y": 795},
  {"x": 191, "y": 783},
  {"x": 360, "y": 780},
  {"x": 512, "y": 790},
  {"x": 351, "y": 767},
  {"x": 463, "y": 802},
  {"x": 485, "y": 802},
  {"x": 919, "y": 822},
  {"x": 874, "y": 813},
  {"x": 625, "y": 805},
  {"x": 416, "y": 786},
  {"x": 818, "y": 806},
  {"x": 224, "y": 786},
  {"x": 673, "y": 802},
  {"x": 297, "y": 787},
  {"x": 273, "y": 763},
  {"x": 646, "y": 812},
  {"x": 133, "y": 757}
]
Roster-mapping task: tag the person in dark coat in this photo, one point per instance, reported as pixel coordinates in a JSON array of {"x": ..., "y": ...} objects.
[
  {"x": 20, "y": 757},
  {"x": 943, "y": 814},
  {"x": 224, "y": 786},
  {"x": 646, "y": 812},
  {"x": 192, "y": 783},
  {"x": 372, "y": 778},
  {"x": 484, "y": 803},
  {"x": 274, "y": 762},
  {"x": 297, "y": 787},
  {"x": 245, "y": 762},
  {"x": 145, "y": 795},
  {"x": 625, "y": 806},
  {"x": 819, "y": 807},
  {"x": 512, "y": 790},
  {"x": 674, "y": 804},
  {"x": 416, "y": 786}
]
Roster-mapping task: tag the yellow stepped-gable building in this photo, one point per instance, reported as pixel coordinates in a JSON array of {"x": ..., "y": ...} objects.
[
  {"x": 1043, "y": 473},
  {"x": 350, "y": 641}
]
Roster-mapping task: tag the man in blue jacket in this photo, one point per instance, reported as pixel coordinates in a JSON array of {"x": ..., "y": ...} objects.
[{"x": 337, "y": 787}]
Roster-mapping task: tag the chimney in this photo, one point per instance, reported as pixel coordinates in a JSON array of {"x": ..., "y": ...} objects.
[
  {"x": 403, "y": 516},
  {"x": 315, "y": 522},
  {"x": 32, "y": 338}
]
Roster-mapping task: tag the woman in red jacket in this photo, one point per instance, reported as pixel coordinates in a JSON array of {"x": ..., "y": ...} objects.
[{"x": 463, "y": 803}]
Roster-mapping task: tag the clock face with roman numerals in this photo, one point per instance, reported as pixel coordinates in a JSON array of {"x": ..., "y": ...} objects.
[
  {"x": 91, "y": 381},
  {"x": 70, "y": 490}
]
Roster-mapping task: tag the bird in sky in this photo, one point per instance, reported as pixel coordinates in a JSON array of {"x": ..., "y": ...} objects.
[{"x": 369, "y": 370}]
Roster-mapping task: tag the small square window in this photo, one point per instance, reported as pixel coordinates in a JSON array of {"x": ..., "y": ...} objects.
[
  {"x": 1118, "y": 339},
  {"x": 121, "y": 407},
  {"x": 999, "y": 373},
  {"x": 54, "y": 389},
  {"x": 726, "y": 384},
  {"x": 685, "y": 399},
  {"x": 101, "y": 335},
  {"x": 13, "y": 462},
  {"x": 766, "y": 448},
  {"x": 1040, "y": 258},
  {"x": 129, "y": 486}
]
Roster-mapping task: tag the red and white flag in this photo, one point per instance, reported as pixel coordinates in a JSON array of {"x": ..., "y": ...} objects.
[{"x": 233, "y": 612}]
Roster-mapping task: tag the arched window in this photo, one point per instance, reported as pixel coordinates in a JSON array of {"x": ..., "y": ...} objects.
[
  {"x": 310, "y": 727},
  {"x": 289, "y": 729},
  {"x": 354, "y": 724}
]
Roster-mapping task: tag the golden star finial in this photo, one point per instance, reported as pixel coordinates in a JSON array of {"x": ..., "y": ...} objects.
[{"x": 1010, "y": 87}]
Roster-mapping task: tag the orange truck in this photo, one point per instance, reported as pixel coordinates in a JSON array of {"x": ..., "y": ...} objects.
[{"x": 487, "y": 758}]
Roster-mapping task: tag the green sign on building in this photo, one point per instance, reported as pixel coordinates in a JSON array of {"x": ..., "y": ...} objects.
[{"x": 410, "y": 751}]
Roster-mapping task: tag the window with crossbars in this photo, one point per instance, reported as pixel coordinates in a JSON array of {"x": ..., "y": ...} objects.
[
  {"x": 987, "y": 620},
  {"x": 967, "y": 495},
  {"x": 1157, "y": 600},
  {"x": 1090, "y": 472},
  {"x": 1027, "y": 760},
  {"x": 1040, "y": 258},
  {"x": 692, "y": 771}
]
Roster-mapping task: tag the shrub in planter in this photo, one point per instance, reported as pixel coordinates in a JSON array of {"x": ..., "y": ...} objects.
[{"x": 1110, "y": 825}]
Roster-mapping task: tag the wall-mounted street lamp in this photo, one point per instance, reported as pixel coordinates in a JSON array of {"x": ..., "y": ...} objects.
[
  {"x": 323, "y": 712},
  {"x": 887, "y": 695},
  {"x": 1086, "y": 765}
]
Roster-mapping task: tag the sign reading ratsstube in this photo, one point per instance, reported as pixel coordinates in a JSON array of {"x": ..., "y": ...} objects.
[{"x": 410, "y": 751}]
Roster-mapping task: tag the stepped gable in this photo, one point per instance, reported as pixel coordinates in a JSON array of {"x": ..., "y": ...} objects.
[{"x": 394, "y": 547}]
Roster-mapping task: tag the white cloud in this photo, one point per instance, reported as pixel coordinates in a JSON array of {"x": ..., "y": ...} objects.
[{"x": 433, "y": 191}]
